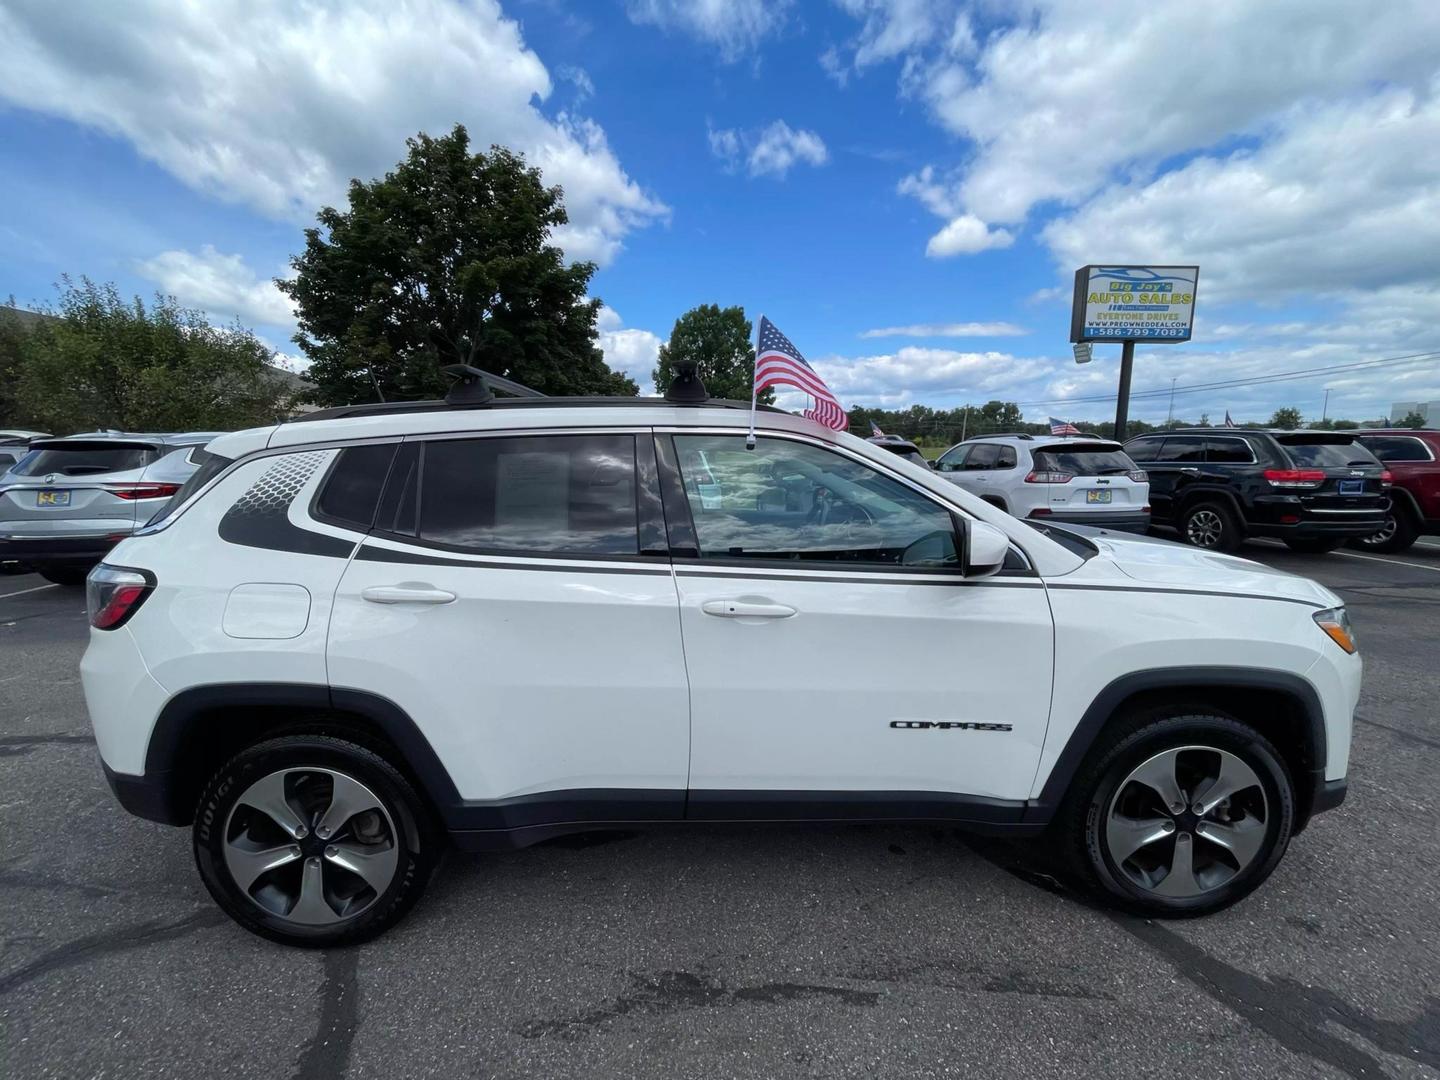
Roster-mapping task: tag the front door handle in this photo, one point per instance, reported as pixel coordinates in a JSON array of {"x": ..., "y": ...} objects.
[
  {"x": 744, "y": 609},
  {"x": 406, "y": 594}
]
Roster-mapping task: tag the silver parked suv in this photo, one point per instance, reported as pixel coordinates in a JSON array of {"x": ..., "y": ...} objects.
[{"x": 66, "y": 502}]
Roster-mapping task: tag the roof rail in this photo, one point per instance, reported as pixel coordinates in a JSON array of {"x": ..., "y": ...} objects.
[
  {"x": 392, "y": 408},
  {"x": 1003, "y": 434}
]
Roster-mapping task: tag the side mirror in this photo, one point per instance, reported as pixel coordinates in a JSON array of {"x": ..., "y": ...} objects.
[{"x": 985, "y": 549}]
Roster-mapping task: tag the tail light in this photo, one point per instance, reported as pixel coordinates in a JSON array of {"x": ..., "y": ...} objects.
[
  {"x": 114, "y": 593},
  {"x": 142, "y": 491},
  {"x": 1295, "y": 478},
  {"x": 1140, "y": 476},
  {"x": 1041, "y": 476},
  {"x": 1387, "y": 478}
]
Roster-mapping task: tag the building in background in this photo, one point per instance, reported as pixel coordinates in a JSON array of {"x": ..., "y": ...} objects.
[{"x": 1430, "y": 410}]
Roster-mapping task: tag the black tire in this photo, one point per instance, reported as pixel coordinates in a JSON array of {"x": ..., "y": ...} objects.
[
  {"x": 1098, "y": 787},
  {"x": 1312, "y": 545},
  {"x": 69, "y": 576},
  {"x": 1399, "y": 533},
  {"x": 409, "y": 831},
  {"x": 1211, "y": 526}
]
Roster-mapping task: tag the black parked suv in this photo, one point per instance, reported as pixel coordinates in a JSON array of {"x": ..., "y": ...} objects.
[{"x": 1312, "y": 489}]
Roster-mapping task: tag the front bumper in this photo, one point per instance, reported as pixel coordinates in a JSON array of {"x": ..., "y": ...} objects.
[{"x": 1131, "y": 521}]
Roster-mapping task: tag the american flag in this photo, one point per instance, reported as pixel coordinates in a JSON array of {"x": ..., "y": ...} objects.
[
  {"x": 1062, "y": 427},
  {"x": 875, "y": 432},
  {"x": 779, "y": 363},
  {"x": 1228, "y": 421}
]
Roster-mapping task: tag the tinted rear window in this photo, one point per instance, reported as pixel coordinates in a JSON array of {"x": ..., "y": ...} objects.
[
  {"x": 1081, "y": 460},
  {"x": 1328, "y": 455},
  {"x": 352, "y": 490},
  {"x": 85, "y": 461},
  {"x": 1384, "y": 447}
]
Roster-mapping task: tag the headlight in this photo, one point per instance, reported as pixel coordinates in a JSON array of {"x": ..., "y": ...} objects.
[{"x": 1335, "y": 621}]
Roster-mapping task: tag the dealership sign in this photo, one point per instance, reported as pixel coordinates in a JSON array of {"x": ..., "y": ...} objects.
[{"x": 1133, "y": 303}]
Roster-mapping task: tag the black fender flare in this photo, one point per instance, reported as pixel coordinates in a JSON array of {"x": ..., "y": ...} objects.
[
  {"x": 175, "y": 724},
  {"x": 1099, "y": 712}
]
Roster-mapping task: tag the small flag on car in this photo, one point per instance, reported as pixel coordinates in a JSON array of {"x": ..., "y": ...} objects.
[
  {"x": 1228, "y": 421},
  {"x": 875, "y": 431},
  {"x": 779, "y": 363},
  {"x": 1062, "y": 427}
]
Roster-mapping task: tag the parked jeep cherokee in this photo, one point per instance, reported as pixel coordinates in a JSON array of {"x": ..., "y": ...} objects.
[
  {"x": 1312, "y": 489},
  {"x": 1413, "y": 459},
  {"x": 500, "y": 621}
]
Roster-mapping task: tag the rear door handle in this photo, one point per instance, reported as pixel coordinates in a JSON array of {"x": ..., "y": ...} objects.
[
  {"x": 406, "y": 594},
  {"x": 741, "y": 609}
]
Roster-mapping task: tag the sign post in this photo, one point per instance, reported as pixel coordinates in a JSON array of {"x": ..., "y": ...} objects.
[{"x": 1129, "y": 304}]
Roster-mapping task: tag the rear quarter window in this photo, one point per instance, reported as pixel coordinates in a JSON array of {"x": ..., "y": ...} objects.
[
  {"x": 1396, "y": 447},
  {"x": 351, "y": 492}
]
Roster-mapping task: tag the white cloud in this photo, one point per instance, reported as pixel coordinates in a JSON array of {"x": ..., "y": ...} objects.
[
  {"x": 966, "y": 235},
  {"x": 277, "y": 105},
  {"x": 772, "y": 151},
  {"x": 631, "y": 351},
  {"x": 580, "y": 79},
  {"x": 735, "y": 27},
  {"x": 953, "y": 330},
  {"x": 223, "y": 285}
]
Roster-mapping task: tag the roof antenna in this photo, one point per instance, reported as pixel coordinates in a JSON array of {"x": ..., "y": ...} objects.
[
  {"x": 686, "y": 387},
  {"x": 469, "y": 387}
]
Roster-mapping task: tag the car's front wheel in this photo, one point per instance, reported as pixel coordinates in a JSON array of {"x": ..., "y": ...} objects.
[
  {"x": 1211, "y": 525},
  {"x": 1180, "y": 815},
  {"x": 312, "y": 840}
]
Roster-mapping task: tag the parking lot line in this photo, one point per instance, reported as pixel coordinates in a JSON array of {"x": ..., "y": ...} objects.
[
  {"x": 1392, "y": 562},
  {"x": 22, "y": 592}
]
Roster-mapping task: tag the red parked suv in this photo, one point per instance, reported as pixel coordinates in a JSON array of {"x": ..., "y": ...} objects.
[{"x": 1413, "y": 457}]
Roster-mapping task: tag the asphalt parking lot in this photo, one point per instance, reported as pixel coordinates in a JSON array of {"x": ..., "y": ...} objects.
[{"x": 827, "y": 952}]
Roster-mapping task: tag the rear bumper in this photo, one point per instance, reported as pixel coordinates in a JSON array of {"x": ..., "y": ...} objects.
[
  {"x": 1133, "y": 521},
  {"x": 59, "y": 549},
  {"x": 145, "y": 796},
  {"x": 1267, "y": 514}
]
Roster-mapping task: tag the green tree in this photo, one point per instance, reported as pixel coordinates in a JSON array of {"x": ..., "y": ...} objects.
[
  {"x": 1346, "y": 425},
  {"x": 99, "y": 361},
  {"x": 446, "y": 260},
  {"x": 1412, "y": 419},
  {"x": 718, "y": 339},
  {"x": 1287, "y": 419},
  {"x": 1000, "y": 416}
]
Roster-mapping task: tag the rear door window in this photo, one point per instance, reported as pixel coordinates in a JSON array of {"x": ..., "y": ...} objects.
[
  {"x": 1228, "y": 451},
  {"x": 531, "y": 494},
  {"x": 1189, "y": 449},
  {"x": 1081, "y": 459},
  {"x": 86, "y": 459}
]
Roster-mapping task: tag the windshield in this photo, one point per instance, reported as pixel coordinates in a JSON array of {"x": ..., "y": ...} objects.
[
  {"x": 1329, "y": 455},
  {"x": 85, "y": 460},
  {"x": 1080, "y": 459}
]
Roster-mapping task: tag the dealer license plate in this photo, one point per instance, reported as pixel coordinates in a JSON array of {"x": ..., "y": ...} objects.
[
  {"x": 1352, "y": 487},
  {"x": 52, "y": 498},
  {"x": 1095, "y": 496}
]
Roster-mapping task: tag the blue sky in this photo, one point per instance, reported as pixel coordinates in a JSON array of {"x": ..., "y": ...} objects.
[{"x": 904, "y": 186}]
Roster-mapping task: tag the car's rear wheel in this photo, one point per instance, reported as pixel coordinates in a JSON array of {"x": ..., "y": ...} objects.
[
  {"x": 314, "y": 841},
  {"x": 1180, "y": 815},
  {"x": 1399, "y": 533},
  {"x": 1312, "y": 545},
  {"x": 65, "y": 575},
  {"x": 1211, "y": 525}
]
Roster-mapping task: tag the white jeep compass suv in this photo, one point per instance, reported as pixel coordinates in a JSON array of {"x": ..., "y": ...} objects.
[{"x": 352, "y": 637}]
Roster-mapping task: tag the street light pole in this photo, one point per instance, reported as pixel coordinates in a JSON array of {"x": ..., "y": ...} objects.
[
  {"x": 1325, "y": 410},
  {"x": 1170, "y": 414}
]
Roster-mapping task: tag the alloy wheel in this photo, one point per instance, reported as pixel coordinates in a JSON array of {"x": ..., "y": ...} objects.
[
  {"x": 310, "y": 845},
  {"x": 1187, "y": 821},
  {"x": 1385, "y": 533},
  {"x": 1204, "y": 528}
]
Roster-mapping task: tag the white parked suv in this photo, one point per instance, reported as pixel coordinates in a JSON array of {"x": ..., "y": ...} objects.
[
  {"x": 1076, "y": 479},
  {"x": 352, "y": 637}
]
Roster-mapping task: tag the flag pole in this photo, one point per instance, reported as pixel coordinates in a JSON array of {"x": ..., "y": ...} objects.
[{"x": 754, "y": 394}]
